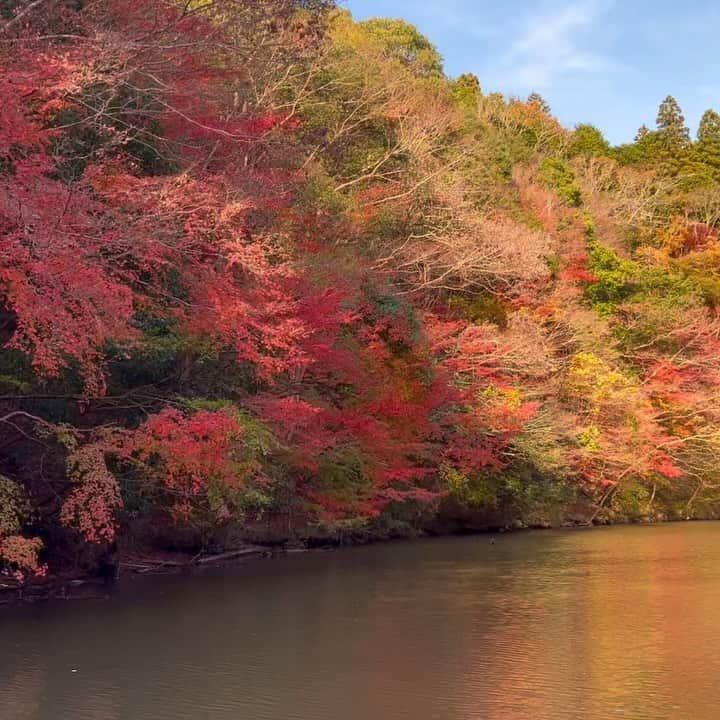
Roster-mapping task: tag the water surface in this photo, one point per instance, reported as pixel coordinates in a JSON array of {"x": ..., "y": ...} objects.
[{"x": 619, "y": 622}]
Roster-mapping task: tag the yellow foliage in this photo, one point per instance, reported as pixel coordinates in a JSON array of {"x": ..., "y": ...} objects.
[
  {"x": 453, "y": 480},
  {"x": 589, "y": 438},
  {"x": 510, "y": 397},
  {"x": 596, "y": 387}
]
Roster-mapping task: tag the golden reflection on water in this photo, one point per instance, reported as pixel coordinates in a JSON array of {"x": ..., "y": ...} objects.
[
  {"x": 611, "y": 623},
  {"x": 21, "y": 693}
]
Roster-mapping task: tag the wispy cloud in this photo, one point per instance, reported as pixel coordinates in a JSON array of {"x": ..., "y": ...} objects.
[{"x": 551, "y": 44}]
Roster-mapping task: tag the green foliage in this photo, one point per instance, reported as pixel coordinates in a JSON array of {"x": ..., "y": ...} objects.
[
  {"x": 14, "y": 507},
  {"x": 480, "y": 308},
  {"x": 709, "y": 287},
  {"x": 532, "y": 496},
  {"x": 8, "y": 8},
  {"x": 75, "y": 143},
  {"x": 385, "y": 225},
  {"x": 557, "y": 175},
  {"x": 74, "y": 146},
  {"x": 672, "y": 133},
  {"x": 466, "y": 91},
  {"x": 709, "y": 127},
  {"x": 614, "y": 277},
  {"x": 650, "y": 323},
  {"x": 631, "y": 500},
  {"x": 12, "y": 383},
  {"x": 258, "y": 439},
  {"x": 588, "y": 141},
  {"x": 538, "y": 499},
  {"x": 618, "y": 280},
  {"x": 156, "y": 354},
  {"x": 405, "y": 42},
  {"x": 670, "y": 151},
  {"x": 554, "y": 264},
  {"x": 317, "y": 195},
  {"x": 642, "y": 151},
  {"x": 16, "y": 374},
  {"x": 708, "y": 143},
  {"x": 342, "y": 476},
  {"x": 477, "y": 490}
]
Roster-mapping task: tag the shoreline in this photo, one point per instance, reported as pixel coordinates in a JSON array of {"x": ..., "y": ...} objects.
[{"x": 72, "y": 587}]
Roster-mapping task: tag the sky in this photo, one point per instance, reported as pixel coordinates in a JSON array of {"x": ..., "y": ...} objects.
[{"x": 606, "y": 62}]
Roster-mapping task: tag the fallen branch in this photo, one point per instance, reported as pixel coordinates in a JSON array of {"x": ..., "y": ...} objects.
[{"x": 252, "y": 550}]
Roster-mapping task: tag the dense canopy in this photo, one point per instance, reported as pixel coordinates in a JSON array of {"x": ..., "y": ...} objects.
[{"x": 266, "y": 272}]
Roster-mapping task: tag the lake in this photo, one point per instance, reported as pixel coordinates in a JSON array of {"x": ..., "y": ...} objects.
[{"x": 596, "y": 624}]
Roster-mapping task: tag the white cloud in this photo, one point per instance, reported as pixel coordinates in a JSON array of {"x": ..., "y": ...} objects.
[{"x": 550, "y": 44}]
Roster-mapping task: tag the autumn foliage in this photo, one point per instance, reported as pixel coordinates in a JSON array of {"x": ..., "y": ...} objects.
[{"x": 266, "y": 268}]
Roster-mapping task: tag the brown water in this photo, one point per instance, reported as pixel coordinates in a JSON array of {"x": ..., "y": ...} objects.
[{"x": 607, "y": 623}]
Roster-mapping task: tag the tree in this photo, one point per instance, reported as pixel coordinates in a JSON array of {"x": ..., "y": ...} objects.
[
  {"x": 104, "y": 264},
  {"x": 673, "y": 134},
  {"x": 708, "y": 141},
  {"x": 260, "y": 262},
  {"x": 588, "y": 140},
  {"x": 709, "y": 127},
  {"x": 405, "y": 42},
  {"x": 537, "y": 99},
  {"x": 466, "y": 91},
  {"x": 642, "y": 150}
]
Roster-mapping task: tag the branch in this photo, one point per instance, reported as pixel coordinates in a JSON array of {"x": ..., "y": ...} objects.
[
  {"x": 27, "y": 9},
  {"x": 15, "y": 413},
  {"x": 418, "y": 184}
]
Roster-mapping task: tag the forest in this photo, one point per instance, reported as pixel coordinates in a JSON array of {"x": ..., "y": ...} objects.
[{"x": 268, "y": 274}]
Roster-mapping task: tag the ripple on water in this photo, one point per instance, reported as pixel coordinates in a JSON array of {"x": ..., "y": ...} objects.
[{"x": 620, "y": 622}]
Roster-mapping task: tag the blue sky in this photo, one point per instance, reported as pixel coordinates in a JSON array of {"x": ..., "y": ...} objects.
[{"x": 608, "y": 62}]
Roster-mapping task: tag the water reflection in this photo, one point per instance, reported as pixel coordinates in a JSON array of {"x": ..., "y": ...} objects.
[{"x": 620, "y": 622}]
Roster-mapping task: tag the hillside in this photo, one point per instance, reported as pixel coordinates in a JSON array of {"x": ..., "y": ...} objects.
[{"x": 267, "y": 273}]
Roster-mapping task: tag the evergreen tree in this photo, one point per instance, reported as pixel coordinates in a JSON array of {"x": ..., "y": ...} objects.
[
  {"x": 466, "y": 90},
  {"x": 672, "y": 131},
  {"x": 708, "y": 144},
  {"x": 540, "y": 101},
  {"x": 709, "y": 127},
  {"x": 642, "y": 150}
]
